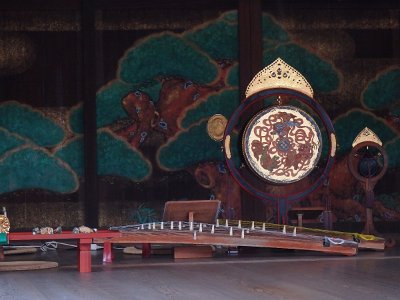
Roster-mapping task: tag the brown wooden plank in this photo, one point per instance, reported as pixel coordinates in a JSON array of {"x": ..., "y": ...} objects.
[
  {"x": 193, "y": 252},
  {"x": 28, "y": 236},
  {"x": 307, "y": 208},
  {"x": 27, "y": 265},
  {"x": 204, "y": 211}
]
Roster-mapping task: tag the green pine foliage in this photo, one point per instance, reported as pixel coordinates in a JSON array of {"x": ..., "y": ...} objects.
[
  {"x": 108, "y": 106},
  {"x": 9, "y": 141},
  {"x": 29, "y": 123},
  {"x": 34, "y": 168},
  {"x": 152, "y": 89},
  {"x": 189, "y": 148},
  {"x": 223, "y": 103},
  {"x": 272, "y": 31},
  {"x": 233, "y": 76},
  {"x": 383, "y": 92},
  {"x": 393, "y": 151},
  {"x": 230, "y": 16},
  {"x": 218, "y": 39},
  {"x": 76, "y": 119},
  {"x": 166, "y": 55},
  {"x": 116, "y": 157},
  {"x": 108, "y": 103},
  {"x": 72, "y": 153}
]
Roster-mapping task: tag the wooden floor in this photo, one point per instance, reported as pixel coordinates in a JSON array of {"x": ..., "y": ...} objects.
[{"x": 266, "y": 274}]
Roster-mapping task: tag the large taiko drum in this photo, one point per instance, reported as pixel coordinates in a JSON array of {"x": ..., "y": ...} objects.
[{"x": 267, "y": 143}]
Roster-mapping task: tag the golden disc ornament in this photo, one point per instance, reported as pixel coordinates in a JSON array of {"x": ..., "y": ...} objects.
[
  {"x": 4, "y": 224},
  {"x": 216, "y": 127}
]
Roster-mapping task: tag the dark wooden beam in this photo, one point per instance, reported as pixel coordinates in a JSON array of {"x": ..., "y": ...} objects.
[
  {"x": 250, "y": 63},
  {"x": 396, "y": 43},
  {"x": 160, "y": 4},
  {"x": 250, "y": 42},
  {"x": 89, "y": 112},
  {"x": 279, "y": 5},
  {"x": 197, "y": 4},
  {"x": 40, "y": 5}
]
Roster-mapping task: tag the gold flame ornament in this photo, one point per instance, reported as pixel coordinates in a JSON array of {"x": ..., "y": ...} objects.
[
  {"x": 279, "y": 75},
  {"x": 4, "y": 224},
  {"x": 366, "y": 135}
]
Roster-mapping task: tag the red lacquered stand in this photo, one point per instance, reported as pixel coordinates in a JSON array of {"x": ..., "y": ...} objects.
[{"x": 84, "y": 240}]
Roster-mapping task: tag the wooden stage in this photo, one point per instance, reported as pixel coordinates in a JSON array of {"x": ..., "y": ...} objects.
[{"x": 254, "y": 275}]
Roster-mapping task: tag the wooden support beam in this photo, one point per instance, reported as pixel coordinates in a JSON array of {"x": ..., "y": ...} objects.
[
  {"x": 250, "y": 42},
  {"x": 89, "y": 112}
]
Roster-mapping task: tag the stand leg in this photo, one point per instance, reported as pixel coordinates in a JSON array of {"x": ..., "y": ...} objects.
[
  {"x": 1, "y": 253},
  {"x": 146, "y": 250},
  {"x": 282, "y": 212},
  {"x": 107, "y": 252},
  {"x": 300, "y": 220},
  {"x": 84, "y": 256},
  {"x": 327, "y": 219},
  {"x": 369, "y": 224}
]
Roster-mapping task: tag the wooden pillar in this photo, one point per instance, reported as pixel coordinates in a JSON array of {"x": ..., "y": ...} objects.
[
  {"x": 250, "y": 42},
  {"x": 91, "y": 205},
  {"x": 250, "y": 63}
]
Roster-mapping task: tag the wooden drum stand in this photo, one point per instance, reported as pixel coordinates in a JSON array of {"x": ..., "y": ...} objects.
[{"x": 368, "y": 162}]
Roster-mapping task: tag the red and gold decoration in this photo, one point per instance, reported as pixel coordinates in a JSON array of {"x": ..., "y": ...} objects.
[
  {"x": 4, "y": 224},
  {"x": 282, "y": 144}
]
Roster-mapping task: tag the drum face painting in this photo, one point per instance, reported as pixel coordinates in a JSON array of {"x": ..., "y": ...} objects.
[{"x": 282, "y": 144}]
